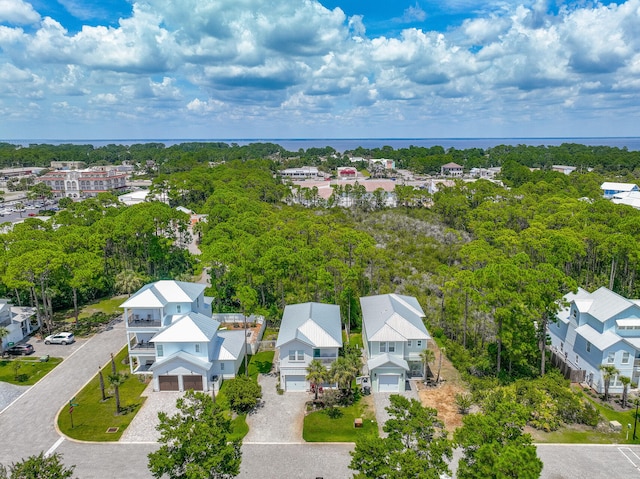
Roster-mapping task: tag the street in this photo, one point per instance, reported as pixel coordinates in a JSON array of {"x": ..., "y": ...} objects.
[{"x": 28, "y": 427}]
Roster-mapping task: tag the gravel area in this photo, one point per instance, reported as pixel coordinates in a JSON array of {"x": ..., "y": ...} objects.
[
  {"x": 381, "y": 401},
  {"x": 279, "y": 418},
  {"x": 143, "y": 426},
  {"x": 9, "y": 393}
]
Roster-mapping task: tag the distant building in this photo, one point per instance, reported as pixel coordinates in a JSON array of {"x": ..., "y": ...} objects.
[
  {"x": 487, "y": 173},
  {"x": 17, "y": 321},
  {"x": 630, "y": 198},
  {"x": 83, "y": 183},
  {"x": 302, "y": 173},
  {"x": 567, "y": 170},
  {"x": 68, "y": 165},
  {"x": 386, "y": 163},
  {"x": 451, "y": 169},
  {"x": 609, "y": 188}
]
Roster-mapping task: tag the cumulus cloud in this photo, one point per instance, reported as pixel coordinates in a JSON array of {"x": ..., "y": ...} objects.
[
  {"x": 251, "y": 59},
  {"x": 17, "y": 12}
]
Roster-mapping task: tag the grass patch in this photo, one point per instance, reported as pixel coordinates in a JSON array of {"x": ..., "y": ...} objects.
[
  {"x": 355, "y": 339},
  {"x": 580, "y": 434},
  {"x": 270, "y": 333},
  {"x": 320, "y": 427},
  {"x": 108, "y": 306},
  {"x": 92, "y": 417},
  {"x": 260, "y": 363},
  {"x": 30, "y": 372}
]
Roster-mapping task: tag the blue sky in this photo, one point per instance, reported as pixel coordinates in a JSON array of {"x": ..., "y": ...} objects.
[{"x": 118, "y": 69}]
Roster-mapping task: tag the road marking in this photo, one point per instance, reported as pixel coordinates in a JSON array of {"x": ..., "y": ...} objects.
[
  {"x": 632, "y": 453},
  {"x": 54, "y": 447}
]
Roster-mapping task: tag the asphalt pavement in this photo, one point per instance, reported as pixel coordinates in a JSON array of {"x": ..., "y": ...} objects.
[{"x": 28, "y": 427}]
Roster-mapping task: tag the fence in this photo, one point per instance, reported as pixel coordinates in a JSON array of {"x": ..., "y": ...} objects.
[{"x": 570, "y": 372}]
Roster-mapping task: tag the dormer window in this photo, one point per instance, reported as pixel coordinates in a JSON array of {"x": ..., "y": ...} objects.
[
  {"x": 179, "y": 308},
  {"x": 575, "y": 313}
]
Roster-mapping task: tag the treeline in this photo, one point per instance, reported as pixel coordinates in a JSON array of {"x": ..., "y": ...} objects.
[
  {"x": 156, "y": 158},
  {"x": 91, "y": 249}
]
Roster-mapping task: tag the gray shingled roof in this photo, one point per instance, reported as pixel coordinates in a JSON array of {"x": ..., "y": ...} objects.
[{"x": 316, "y": 324}]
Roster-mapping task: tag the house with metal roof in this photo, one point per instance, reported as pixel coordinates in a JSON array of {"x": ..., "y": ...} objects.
[
  {"x": 609, "y": 189},
  {"x": 171, "y": 333},
  {"x": 595, "y": 329},
  {"x": 394, "y": 335},
  {"x": 308, "y": 331}
]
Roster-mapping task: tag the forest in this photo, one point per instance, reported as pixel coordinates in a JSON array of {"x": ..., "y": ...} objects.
[{"x": 488, "y": 263}]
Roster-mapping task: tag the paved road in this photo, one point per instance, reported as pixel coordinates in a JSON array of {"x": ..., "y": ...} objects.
[
  {"x": 28, "y": 425},
  {"x": 28, "y": 428}
]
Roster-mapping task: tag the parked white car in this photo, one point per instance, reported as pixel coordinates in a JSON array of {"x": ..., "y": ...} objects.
[{"x": 60, "y": 338}]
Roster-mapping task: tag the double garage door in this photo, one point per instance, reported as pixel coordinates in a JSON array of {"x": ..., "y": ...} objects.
[
  {"x": 295, "y": 383},
  {"x": 171, "y": 383},
  {"x": 388, "y": 383}
]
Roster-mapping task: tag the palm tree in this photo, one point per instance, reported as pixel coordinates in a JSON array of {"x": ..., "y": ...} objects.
[
  {"x": 128, "y": 281},
  {"x": 4, "y": 332},
  {"x": 427, "y": 356},
  {"x": 316, "y": 374},
  {"x": 343, "y": 371},
  {"x": 625, "y": 380},
  {"x": 608, "y": 371},
  {"x": 116, "y": 380}
]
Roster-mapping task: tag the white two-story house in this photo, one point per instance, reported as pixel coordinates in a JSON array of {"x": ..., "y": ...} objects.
[
  {"x": 17, "y": 321},
  {"x": 308, "y": 331},
  {"x": 171, "y": 333},
  {"x": 599, "y": 328},
  {"x": 394, "y": 335}
]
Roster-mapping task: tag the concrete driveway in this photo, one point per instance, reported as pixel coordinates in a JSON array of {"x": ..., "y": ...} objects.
[
  {"x": 381, "y": 402},
  {"x": 279, "y": 418}
]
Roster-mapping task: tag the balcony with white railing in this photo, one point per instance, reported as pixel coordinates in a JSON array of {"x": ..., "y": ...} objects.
[{"x": 143, "y": 321}]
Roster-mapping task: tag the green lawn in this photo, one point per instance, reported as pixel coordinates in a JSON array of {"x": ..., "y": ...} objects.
[
  {"x": 107, "y": 306},
  {"x": 30, "y": 372},
  {"x": 92, "y": 417},
  {"x": 260, "y": 363},
  {"x": 319, "y": 427},
  {"x": 355, "y": 339}
]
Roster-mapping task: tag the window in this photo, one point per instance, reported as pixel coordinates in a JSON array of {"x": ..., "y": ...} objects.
[
  {"x": 611, "y": 358},
  {"x": 179, "y": 308},
  {"x": 221, "y": 366},
  {"x": 159, "y": 350},
  {"x": 575, "y": 313},
  {"x": 387, "y": 347},
  {"x": 419, "y": 343},
  {"x": 561, "y": 346},
  {"x": 409, "y": 343},
  {"x": 588, "y": 347},
  {"x": 625, "y": 357},
  {"x": 316, "y": 353},
  {"x": 296, "y": 355},
  {"x": 197, "y": 348}
]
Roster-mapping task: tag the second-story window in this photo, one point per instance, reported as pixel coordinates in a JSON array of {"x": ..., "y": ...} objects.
[
  {"x": 588, "y": 347},
  {"x": 625, "y": 357},
  {"x": 179, "y": 308},
  {"x": 197, "y": 348},
  {"x": 409, "y": 343},
  {"x": 159, "y": 350},
  {"x": 611, "y": 358}
]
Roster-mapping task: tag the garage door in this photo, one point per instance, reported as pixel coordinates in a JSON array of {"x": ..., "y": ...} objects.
[
  {"x": 168, "y": 383},
  {"x": 388, "y": 383},
  {"x": 192, "y": 382},
  {"x": 295, "y": 383}
]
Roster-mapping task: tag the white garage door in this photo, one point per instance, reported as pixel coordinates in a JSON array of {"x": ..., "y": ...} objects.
[
  {"x": 388, "y": 383},
  {"x": 295, "y": 383}
]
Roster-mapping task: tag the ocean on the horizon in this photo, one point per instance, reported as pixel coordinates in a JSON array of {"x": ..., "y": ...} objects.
[{"x": 344, "y": 144}]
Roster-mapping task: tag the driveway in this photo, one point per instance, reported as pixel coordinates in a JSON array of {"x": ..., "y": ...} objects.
[
  {"x": 381, "y": 401},
  {"x": 279, "y": 418},
  {"x": 56, "y": 350}
]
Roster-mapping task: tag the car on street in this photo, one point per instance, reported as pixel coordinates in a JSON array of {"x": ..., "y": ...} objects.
[
  {"x": 60, "y": 338},
  {"x": 20, "y": 350}
]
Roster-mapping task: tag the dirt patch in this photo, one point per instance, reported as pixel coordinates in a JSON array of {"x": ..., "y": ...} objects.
[{"x": 442, "y": 396}]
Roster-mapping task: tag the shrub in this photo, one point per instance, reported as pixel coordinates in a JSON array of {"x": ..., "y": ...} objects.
[
  {"x": 334, "y": 412},
  {"x": 243, "y": 394}
]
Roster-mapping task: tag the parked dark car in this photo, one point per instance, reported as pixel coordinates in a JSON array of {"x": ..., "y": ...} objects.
[{"x": 20, "y": 350}]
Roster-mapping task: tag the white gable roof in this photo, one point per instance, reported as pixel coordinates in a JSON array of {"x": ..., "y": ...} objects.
[
  {"x": 316, "y": 324},
  {"x": 184, "y": 356},
  {"x": 161, "y": 293},
  {"x": 189, "y": 328},
  {"x": 601, "y": 341},
  {"x": 229, "y": 345},
  {"x": 387, "y": 358},
  {"x": 393, "y": 317},
  {"x": 609, "y": 185}
]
